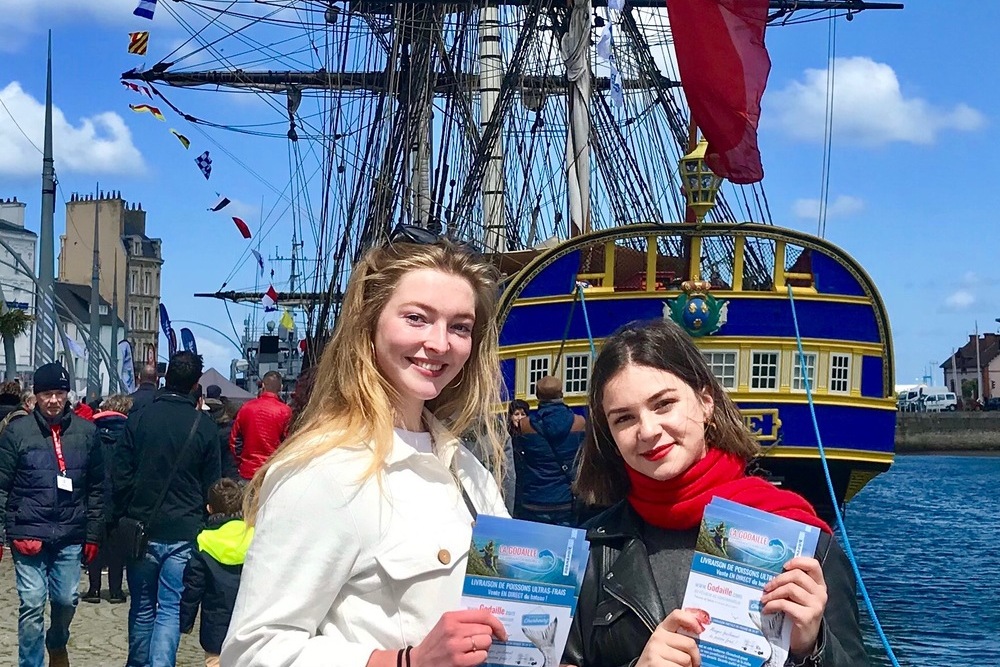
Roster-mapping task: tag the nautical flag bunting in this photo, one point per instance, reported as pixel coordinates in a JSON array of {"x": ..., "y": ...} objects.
[
  {"x": 137, "y": 42},
  {"x": 604, "y": 42},
  {"x": 270, "y": 299},
  {"x": 142, "y": 90},
  {"x": 185, "y": 142},
  {"x": 244, "y": 230},
  {"x": 147, "y": 108},
  {"x": 204, "y": 163},
  {"x": 287, "y": 322},
  {"x": 617, "y": 95},
  {"x": 145, "y": 9},
  {"x": 75, "y": 347},
  {"x": 260, "y": 261},
  {"x": 221, "y": 204}
]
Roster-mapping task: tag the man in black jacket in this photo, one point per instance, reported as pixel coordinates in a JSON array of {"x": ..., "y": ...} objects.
[
  {"x": 144, "y": 393},
  {"x": 168, "y": 456},
  {"x": 51, "y": 508}
]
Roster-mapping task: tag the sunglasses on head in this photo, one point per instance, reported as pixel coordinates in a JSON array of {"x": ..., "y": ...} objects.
[{"x": 403, "y": 233}]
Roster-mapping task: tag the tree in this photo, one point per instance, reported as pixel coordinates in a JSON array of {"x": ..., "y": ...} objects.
[{"x": 14, "y": 323}]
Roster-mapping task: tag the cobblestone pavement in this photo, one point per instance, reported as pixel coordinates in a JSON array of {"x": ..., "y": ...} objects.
[{"x": 98, "y": 635}]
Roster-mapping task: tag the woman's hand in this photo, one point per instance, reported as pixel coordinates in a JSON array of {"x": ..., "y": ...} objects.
[
  {"x": 800, "y": 592},
  {"x": 459, "y": 639},
  {"x": 667, "y": 648}
]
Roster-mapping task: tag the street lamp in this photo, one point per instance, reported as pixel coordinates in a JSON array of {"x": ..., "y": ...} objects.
[{"x": 700, "y": 183}]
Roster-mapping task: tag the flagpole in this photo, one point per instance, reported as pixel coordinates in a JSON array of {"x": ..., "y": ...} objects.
[
  {"x": 93, "y": 360},
  {"x": 956, "y": 384},
  {"x": 979, "y": 369}
]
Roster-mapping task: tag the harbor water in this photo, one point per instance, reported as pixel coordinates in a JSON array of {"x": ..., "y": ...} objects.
[{"x": 926, "y": 536}]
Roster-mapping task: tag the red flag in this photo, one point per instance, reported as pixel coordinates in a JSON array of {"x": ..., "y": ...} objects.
[
  {"x": 244, "y": 230},
  {"x": 724, "y": 65},
  {"x": 270, "y": 299}
]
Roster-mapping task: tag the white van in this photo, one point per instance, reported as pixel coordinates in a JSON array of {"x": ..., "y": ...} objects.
[{"x": 940, "y": 402}]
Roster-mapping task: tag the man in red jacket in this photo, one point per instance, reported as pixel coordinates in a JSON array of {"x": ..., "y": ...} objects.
[{"x": 260, "y": 426}]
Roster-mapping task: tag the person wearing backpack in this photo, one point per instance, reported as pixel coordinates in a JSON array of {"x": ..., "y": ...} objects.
[
  {"x": 545, "y": 450},
  {"x": 212, "y": 576}
]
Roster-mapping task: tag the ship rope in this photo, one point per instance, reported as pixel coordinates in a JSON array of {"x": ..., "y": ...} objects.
[{"x": 841, "y": 528}]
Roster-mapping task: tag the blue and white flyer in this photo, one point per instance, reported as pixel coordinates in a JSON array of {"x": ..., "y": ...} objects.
[
  {"x": 528, "y": 575},
  {"x": 739, "y": 550}
]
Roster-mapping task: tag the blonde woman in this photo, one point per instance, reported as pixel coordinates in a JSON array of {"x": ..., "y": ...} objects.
[{"x": 364, "y": 515}]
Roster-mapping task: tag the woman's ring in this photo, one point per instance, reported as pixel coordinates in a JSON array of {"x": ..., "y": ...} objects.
[{"x": 474, "y": 649}]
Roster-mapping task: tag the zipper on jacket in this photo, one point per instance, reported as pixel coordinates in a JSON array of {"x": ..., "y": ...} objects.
[{"x": 633, "y": 608}]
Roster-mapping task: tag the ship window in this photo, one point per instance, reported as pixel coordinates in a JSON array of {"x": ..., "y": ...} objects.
[
  {"x": 576, "y": 373},
  {"x": 538, "y": 367},
  {"x": 798, "y": 384},
  {"x": 723, "y": 367},
  {"x": 764, "y": 371},
  {"x": 840, "y": 373}
]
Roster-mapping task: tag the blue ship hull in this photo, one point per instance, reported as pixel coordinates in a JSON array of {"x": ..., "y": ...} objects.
[{"x": 756, "y": 282}]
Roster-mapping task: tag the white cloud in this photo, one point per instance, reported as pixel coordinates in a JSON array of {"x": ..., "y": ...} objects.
[
  {"x": 959, "y": 300},
  {"x": 100, "y": 144},
  {"x": 842, "y": 206},
  {"x": 216, "y": 355},
  {"x": 869, "y": 107},
  {"x": 970, "y": 279}
]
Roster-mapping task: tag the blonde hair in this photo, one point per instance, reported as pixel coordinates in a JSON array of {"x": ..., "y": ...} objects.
[
  {"x": 351, "y": 403},
  {"x": 117, "y": 403}
]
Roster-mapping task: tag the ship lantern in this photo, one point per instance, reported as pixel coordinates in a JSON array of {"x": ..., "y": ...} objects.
[{"x": 700, "y": 184}]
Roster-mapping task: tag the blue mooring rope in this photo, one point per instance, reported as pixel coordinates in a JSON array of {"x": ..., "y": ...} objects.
[
  {"x": 586, "y": 321},
  {"x": 833, "y": 496}
]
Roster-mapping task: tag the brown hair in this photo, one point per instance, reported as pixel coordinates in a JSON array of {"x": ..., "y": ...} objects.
[
  {"x": 601, "y": 477},
  {"x": 548, "y": 388},
  {"x": 351, "y": 401},
  {"x": 225, "y": 496}
]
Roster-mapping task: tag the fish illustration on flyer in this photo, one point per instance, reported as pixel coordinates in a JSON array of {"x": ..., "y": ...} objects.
[
  {"x": 528, "y": 575},
  {"x": 739, "y": 549}
]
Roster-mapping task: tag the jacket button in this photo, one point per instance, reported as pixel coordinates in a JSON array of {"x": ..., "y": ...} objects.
[{"x": 444, "y": 556}]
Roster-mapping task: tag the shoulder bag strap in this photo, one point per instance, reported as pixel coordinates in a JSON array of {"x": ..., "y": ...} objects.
[{"x": 173, "y": 472}]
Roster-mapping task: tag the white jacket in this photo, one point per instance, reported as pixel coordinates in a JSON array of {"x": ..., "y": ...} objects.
[{"x": 337, "y": 569}]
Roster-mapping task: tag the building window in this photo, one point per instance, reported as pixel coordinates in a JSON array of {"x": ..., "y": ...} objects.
[
  {"x": 133, "y": 316},
  {"x": 723, "y": 367},
  {"x": 134, "y": 279},
  {"x": 538, "y": 367},
  {"x": 147, "y": 283},
  {"x": 764, "y": 371},
  {"x": 810, "y": 361},
  {"x": 840, "y": 373},
  {"x": 576, "y": 373},
  {"x": 145, "y": 319}
]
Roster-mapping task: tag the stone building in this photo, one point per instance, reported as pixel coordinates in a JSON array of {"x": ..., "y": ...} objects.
[
  {"x": 127, "y": 253},
  {"x": 18, "y": 287},
  {"x": 962, "y": 371}
]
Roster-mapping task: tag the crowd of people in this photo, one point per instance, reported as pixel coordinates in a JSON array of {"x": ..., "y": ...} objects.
[{"x": 339, "y": 535}]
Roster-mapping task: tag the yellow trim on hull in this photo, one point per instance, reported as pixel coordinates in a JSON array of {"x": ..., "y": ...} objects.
[
  {"x": 785, "y": 452},
  {"x": 594, "y": 294},
  {"x": 713, "y": 343}
]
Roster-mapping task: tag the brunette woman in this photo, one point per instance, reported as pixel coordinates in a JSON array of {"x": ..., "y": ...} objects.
[{"x": 663, "y": 439}]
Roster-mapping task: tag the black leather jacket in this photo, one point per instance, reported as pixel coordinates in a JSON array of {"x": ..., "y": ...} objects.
[{"x": 620, "y": 604}]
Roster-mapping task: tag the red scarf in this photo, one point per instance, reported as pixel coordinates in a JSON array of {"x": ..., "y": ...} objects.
[{"x": 679, "y": 503}]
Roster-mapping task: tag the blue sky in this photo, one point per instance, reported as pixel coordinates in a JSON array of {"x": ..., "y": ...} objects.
[{"x": 915, "y": 119}]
